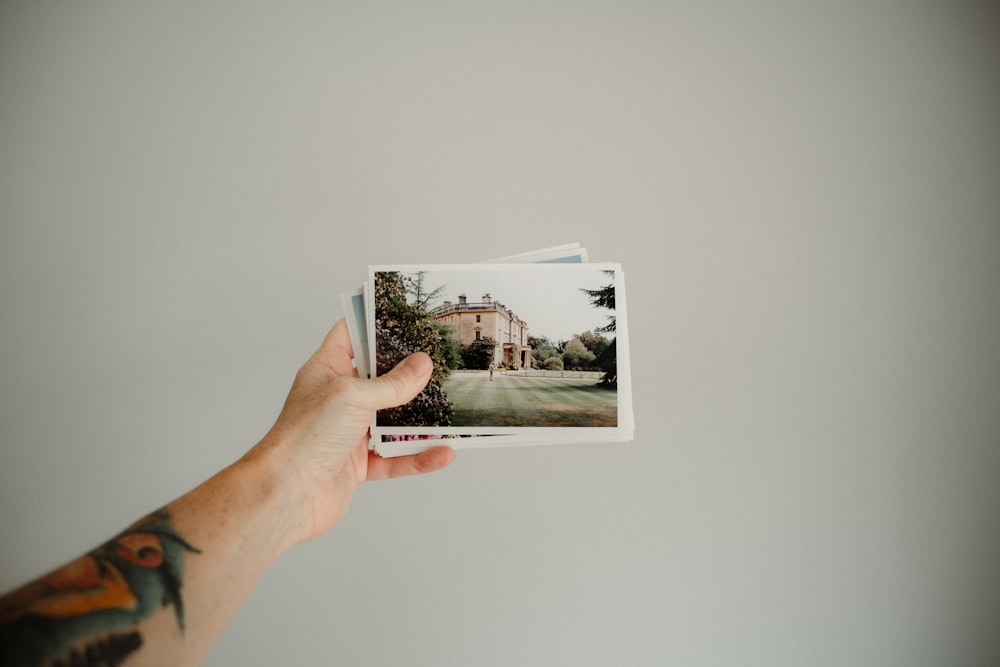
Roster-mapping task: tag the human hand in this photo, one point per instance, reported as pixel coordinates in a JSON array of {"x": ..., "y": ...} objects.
[{"x": 321, "y": 436}]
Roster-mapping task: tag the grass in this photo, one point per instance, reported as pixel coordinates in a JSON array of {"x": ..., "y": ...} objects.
[{"x": 522, "y": 401}]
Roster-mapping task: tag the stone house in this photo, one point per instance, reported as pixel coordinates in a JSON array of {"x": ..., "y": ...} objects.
[{"x": 488, "y": 319}]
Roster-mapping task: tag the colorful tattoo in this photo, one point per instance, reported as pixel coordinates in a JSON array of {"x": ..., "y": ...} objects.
[{"x": 84, "y": 613}]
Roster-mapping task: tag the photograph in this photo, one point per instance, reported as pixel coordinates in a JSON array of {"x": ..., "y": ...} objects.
[{"x": 515, "y": 347}]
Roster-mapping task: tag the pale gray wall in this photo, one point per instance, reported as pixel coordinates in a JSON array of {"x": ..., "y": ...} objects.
[{"x": 806, "y": 198}]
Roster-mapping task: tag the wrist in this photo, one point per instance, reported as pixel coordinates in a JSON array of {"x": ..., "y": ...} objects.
[
  {"x": 307, "y": 497},
  {"x": 269, "y": 483}
]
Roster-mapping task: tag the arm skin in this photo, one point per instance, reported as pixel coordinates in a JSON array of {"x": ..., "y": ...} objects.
[{"x": 162, "y": 591}]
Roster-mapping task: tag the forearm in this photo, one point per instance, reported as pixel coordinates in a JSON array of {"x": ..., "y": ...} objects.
[
  {"x": 164, "y": 590},
  {"x": 241, "y": 521}
]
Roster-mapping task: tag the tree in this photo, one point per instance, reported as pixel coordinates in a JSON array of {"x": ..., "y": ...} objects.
[
  {"x": 451, "y": 348},
  {"x": 576, "y": 356},
  {"x": 604, "y": 297},
  {"x": 594, "y": 342},
  {"x": 541, "y": 350},
  {"x": 402, "y": 328},
  {"x": 607, "y": 360},
  {"x": 422, "y": 297},
  {"x": 479, "y": 353},
  {"x": 535, "y": 342}
]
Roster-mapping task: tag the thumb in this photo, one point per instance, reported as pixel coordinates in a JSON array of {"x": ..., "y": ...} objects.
[{"x": 401, "y": 384}]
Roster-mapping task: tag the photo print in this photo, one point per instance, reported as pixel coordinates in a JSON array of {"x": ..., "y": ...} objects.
[{"x": 538, "y": 351}]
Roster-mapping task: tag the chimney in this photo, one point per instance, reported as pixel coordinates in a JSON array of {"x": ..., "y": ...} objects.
[
  {"x": 487, "y": 298},
  {"x": 461, "y": 299}
]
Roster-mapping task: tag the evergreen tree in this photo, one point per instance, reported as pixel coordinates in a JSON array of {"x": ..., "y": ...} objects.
[
  {"x": 607, "y": 360},
  {"x": 604, "y": 297},
  {"x": 422, "y": 297}
]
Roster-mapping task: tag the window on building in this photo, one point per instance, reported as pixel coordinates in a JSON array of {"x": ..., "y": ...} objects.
[
  {"x": 479, "y": 318},
  {"x": 478, "y": 335}
]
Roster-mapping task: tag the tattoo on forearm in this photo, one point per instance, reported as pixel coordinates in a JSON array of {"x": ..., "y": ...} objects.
[
  {"x": 110, "y": 650},
  {"x": 84, "y": 614}
]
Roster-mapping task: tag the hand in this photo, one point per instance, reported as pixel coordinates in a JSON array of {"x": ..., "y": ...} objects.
[{"x": 321, "y": 436}]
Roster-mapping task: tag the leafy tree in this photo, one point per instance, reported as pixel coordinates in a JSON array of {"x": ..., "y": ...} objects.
[
  {"x": 594, "y": 342},
  {"x": 479, "y": 353},
  {"x": 541, "y": 350},
  {"x": 402, "y": 328},
  {"x": 451, "y": 348},
  {"x": 535, "y": 342},
  {"x": 576, "y": 356}
]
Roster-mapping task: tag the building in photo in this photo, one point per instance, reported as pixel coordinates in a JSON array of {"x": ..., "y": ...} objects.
[{"x": 488, "y": 319}]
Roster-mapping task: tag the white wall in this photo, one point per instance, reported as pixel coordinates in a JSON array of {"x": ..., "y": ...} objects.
[{"x": 805, "y": 198}]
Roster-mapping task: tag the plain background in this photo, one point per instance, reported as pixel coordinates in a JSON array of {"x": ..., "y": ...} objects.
[{"x": 806, "y": 200}]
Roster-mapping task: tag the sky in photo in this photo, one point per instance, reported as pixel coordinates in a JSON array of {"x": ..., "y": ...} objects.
[{"x": 550, "y": 301}]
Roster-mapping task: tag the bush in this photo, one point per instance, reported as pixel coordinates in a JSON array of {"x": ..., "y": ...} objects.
[
  {"x": 402, "y": 328},
  {"x": 553, "y": 364}
]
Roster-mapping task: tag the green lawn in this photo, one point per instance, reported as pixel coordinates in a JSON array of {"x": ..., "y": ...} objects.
[{"x": 523, "y": 401}]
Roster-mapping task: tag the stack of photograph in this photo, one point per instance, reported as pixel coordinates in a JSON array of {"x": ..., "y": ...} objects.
[{"x": 528, "y": 350}]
